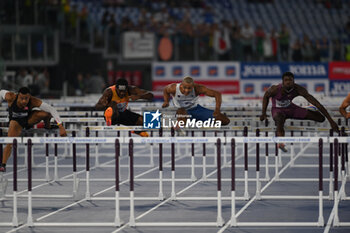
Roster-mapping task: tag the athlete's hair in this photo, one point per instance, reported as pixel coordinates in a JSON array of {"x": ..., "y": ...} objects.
[
  {"x": 187, "y": 79},
  {"x": 287, "y": 74},
  {"x": 24, "y": 90},
  {"x": 122, "y": 82}
]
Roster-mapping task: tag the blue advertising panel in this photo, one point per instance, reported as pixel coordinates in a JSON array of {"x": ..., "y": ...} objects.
[
  {"x": 255, "y": 70},
  {"x": 339, "y": 88}
]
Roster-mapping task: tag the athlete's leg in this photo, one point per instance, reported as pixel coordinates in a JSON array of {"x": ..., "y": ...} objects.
[
  {"x": 315, "y": 116},
  {"x": 38, "y": 116},
  {"x": 279, "y": 119},
  {"x": 181, "y": 114},
  {"x": 223, "y": 118},
  {"x": 14, "y": 130}
]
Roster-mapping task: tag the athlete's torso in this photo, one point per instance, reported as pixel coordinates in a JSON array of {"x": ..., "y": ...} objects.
[
  {"x": 281, "y": 100},
  {"x": 185, "y": 101},
  {"x": 17, "y": 113},
  {"x": 122, "y": 103}
]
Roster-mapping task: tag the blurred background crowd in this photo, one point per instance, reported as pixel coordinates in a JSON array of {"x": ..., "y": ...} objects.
[{"x": 193, "y": 30}]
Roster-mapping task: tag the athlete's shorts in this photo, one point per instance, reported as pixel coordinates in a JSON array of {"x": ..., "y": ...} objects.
[
  {"x": 125, "y": 118},
  {"x": 22, "y": 122},
  {"x": 200, "y": 113},
  {"x": 291, "y": 112}
]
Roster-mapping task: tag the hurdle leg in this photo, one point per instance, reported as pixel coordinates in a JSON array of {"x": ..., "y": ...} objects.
[
  {"x": 30, "y": 215},
  {"x": 56, "y": 169},
  {"x": 97, "y": 162},
  {"x": 343, "y": 183},
  {"x": 219, "y": 220},
  {"x": 280, "y": 160},
  {"x": 33, "y": 163},
  {"x": 246, "y": 193},
  {"x": 75, "y": 186},
  {"x": 336, "y": 203},
  {"x": 233, "y": 221},
  {"x": 87, "y": 193},
  {"x": 331, "y": 185},
  {"x": 204, "y": 166},
  {"x": 47, "y": 175},
  {"x": 267, "y": 174},
  {"x": 117, "y": 221},
  {"x": 276, "y": 163},
  {"x": 193, "y": 176},
  {"x": 161, "y": 195},
  {"x": 173, "y": 194},
  {"x": 292, "y": 154},
  {"x": 14, "y": 217},
  {"x": 258, "y": 185}
]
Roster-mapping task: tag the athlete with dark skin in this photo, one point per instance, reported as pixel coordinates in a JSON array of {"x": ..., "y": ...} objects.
[{"x": 283, "y": 108}]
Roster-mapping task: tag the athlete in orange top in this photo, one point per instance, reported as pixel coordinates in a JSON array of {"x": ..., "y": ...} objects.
[
  {"x": 343, "y": 106},
  {"x": 114, "y": 102}
]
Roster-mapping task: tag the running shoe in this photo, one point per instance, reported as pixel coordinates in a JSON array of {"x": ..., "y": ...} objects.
[
  {"x": 282, "y": 147},
  {"x": 141, "y": 133},
  {"x": 2, "y": 169},
  {"x": 108, "y": 116}
]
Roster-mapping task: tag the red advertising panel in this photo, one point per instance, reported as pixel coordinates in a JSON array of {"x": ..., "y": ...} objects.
[{"x": 339, "y": 71}]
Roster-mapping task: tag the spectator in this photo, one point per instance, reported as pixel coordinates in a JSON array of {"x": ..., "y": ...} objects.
[
  {"x": 95, "y": 83},
  {"x": 236, "y": 44},
  {"x": 324, "y": 49},
  {"x": 80, "y": 85},
  {"x": 296, "y": 51},
  {"x": 42, "y": 80},
  {"x": 317, "y": 51},
  {"x": 284, "y": 37},
  {"x": 247, "y": 34},
  {"x": 221, "y": 40},
  {"x": 336, "y": 50},
  {"x": 307, "y": 49},
  {"x": 259, "y": 38},
  {"x": 28, "y": 79}
]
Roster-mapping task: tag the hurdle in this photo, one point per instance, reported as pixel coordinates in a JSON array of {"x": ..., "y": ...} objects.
[
  {"x": 219, "y": 220},
  {"x": 4, "y": 182},
  {"x": 87, "y": 141},
  {"x": 339, "y": 194},
  {"x": 320, "y": 221}
]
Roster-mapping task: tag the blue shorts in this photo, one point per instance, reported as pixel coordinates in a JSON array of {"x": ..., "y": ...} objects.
[{"x": 200, "y": 113}]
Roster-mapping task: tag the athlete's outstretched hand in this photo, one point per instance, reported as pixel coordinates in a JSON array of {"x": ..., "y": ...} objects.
[
  {"x": 165, "y": 104},
  {"x": 263, "y": 117},
  {"x": 63, "y": 132}
]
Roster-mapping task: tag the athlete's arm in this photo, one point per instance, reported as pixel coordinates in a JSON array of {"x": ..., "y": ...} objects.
[
  {"x": 344, "y": 105},
  {"x": 105, "y": 101},
  {"x": 304, "y": 93},
  {"x": 7, "y": 95},
  {"x": 138, "y": 93},
  {"x": 268, "y": 94},
  {"x": 201, "y": 89},
  {"x": 170, "y": 89},
  {"x": 48, "y": 108}
]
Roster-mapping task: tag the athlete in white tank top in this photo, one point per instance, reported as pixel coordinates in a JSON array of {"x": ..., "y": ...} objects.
[{"x": 185, "y": 101}]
